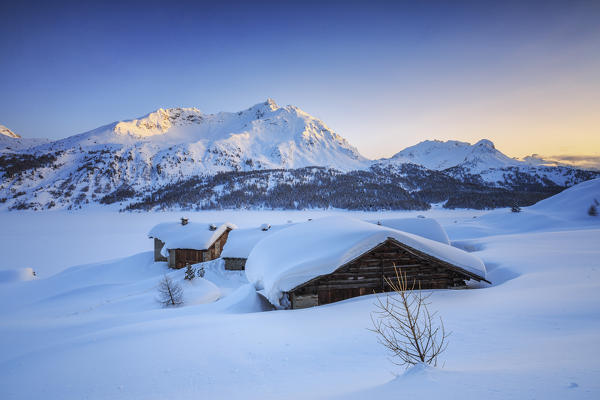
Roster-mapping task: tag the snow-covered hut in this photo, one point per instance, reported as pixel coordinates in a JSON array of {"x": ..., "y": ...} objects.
[
  {"x": 188, "y": 243},
  {"x": 426, "y": 227},
  {"x": 240, "y": 243},
  {"x": 336, "y": 258}
]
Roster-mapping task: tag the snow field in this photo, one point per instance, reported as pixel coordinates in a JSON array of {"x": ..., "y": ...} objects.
[{"x": 95, "y": 331}]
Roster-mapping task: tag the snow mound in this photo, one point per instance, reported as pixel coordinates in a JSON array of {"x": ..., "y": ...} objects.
[
  {"x": 426, "y": 227},
  {"x": 16, "y": 275},
  {"x": 200, "y": 291},
  {"x": 243, "y": 299},
  {"x": 293, "y": 256},
  {"x": 240, "y": 242},
  {"x": 197, "y": 236},
  {"x": 574, "y": 201}
]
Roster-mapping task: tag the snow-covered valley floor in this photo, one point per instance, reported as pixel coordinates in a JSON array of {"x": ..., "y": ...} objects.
[{"x": 95, "y": 331}]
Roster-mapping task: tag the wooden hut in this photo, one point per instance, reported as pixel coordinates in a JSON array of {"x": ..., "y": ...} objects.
[
  {"x": 336, "y": 258},
  {"x": 186, "y": 243},
  {"x": 241, "y": 242},
  {"x": 369, "y": 273}
]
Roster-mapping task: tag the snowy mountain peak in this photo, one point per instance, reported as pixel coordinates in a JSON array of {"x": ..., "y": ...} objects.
[
  {"x": 158, "y": 122},
  {"x": 440, "y": 155},
  {"x": 270, "y": 103},
  {"x": 7, "y": 132},
  {"x": 485, "y": 144}
]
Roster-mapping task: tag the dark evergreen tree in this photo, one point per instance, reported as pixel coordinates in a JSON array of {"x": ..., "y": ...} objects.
[{"x": 189, "y": 272}]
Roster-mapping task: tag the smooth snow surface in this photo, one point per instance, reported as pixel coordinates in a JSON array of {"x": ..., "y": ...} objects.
[
  {"x": 426, "y": 227},
  {"x": 295, "y": 255},
  {"x": 195, "y": 236},
  {"x": 95, "y": 331}
]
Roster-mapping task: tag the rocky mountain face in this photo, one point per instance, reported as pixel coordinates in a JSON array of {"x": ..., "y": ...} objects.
[
  {"x": 264, "y": 156},
  {"x": 7, "y": 132}
]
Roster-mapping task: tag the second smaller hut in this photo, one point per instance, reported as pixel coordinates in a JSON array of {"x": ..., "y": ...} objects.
[
  {"x": 182, "y": 243},
  {"x": 241, "y": 241}
]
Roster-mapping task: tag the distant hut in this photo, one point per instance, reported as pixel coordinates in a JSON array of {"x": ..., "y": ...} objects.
[
  {"x": 336, "y": 258},
  {"x": 241, "y": 242},
  {"x": 182, "y": 243}
]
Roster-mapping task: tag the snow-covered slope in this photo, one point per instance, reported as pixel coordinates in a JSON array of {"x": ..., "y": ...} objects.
[
  {"x": 12, "y": 142},
  {"x": 574, "y": 201}
]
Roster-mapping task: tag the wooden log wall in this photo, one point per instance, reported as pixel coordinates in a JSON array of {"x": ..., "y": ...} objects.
[{"x": 366, "y": 275}]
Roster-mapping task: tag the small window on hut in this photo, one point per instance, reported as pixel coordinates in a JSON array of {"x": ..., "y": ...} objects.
[
  {"x": 217, "y": 247},
  {"x": 205, "y": 256}
]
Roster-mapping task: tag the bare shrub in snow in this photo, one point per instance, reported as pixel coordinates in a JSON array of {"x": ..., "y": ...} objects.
[
  {"x": 170, "y": 293},
  {"x": 406, "y": 327}
]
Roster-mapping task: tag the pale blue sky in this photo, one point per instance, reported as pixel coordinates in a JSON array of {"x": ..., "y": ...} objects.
[{"x": 384, "y": 75}]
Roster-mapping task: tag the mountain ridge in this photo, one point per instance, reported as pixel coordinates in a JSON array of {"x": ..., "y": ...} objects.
[{"x": 125, "y": 161}]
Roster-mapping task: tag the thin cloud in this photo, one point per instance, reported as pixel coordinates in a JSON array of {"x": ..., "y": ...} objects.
[{"x": 581, "y": 161}]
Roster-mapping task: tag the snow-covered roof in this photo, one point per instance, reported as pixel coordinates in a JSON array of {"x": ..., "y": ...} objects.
[
  {"x": 292, "y": 256},
  {"x": 193, "y": 235},
  {"x": 426, "y": 227},
  {"x": 241, "y": 241}
]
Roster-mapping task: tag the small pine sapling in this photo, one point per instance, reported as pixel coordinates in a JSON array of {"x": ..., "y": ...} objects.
[
  {"x": 200, "y": 272},
  {"x": 189, "y": 272},
  {"x": 593, "y": 211},
  {"x": 406, "y": 327},
  {"x": 515, "y": 209}
]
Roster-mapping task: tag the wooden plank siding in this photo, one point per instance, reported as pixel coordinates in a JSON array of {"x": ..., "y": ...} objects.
[
  {"x": 179, "y": 258},
  {"x": 367, "y": 274}
]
